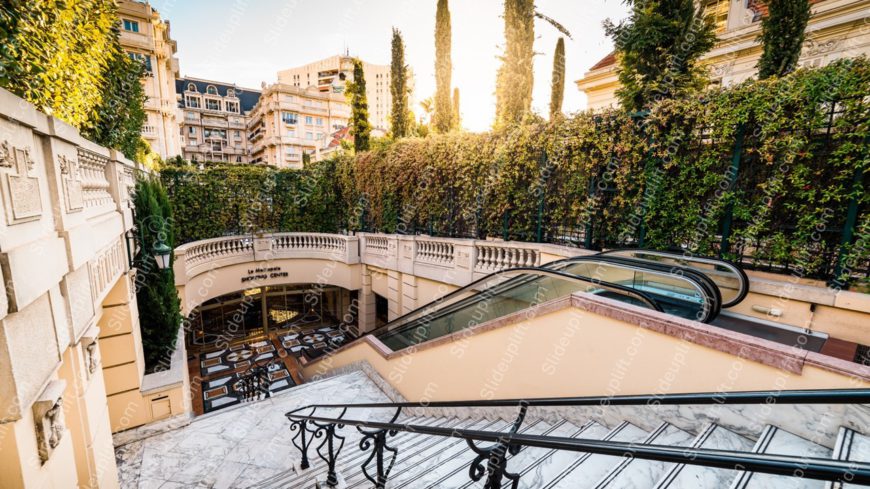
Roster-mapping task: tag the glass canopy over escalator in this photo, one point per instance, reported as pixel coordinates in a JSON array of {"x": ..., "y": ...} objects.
[
  {"x": 495, "y": 296},
  {"x": 661, "y": 283}
]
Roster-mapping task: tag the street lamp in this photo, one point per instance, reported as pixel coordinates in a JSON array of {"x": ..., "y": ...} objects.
[{"x": 162, "y": 254}]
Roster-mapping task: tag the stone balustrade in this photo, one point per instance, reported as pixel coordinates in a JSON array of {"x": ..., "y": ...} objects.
[
  {"x": 435, "y": 252},
  {"x": 200, "y": 256},
  {"x": 492, "y": 258}
]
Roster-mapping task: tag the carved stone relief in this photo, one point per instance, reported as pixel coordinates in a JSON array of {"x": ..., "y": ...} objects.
[
  {"x": 24, "y": 202},
  {"x": 48, "y": 416},
  {"x": 89, "y": 350},
  {"x": 72, "y": 183}
]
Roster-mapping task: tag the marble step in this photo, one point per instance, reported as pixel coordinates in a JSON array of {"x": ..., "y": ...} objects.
[
  {"x": 640, "y": 474},
  {"x": 348, "y": 458},
  {"x": 408, "y": 448},
  {"x": 586, "y": 470},
  {"x": 433, "y": 451},
  {"x": 516, "y": 463},
  {"x": 781, "y": 442},
  {"x": 548, "y": 467},
  {"x": 439, "y": 464},
  {"x": 714, "y": 437},
  {"x": 851, "y": 446}
]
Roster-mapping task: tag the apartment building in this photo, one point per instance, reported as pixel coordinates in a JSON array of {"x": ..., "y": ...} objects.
[
  {"x": 330, "y": 76},
  {"x": 146, "y": 37},
  {"x": 289, "y": 121},
  {"x": 214, "y": 120},
  {"x": 837, "y": 29}
]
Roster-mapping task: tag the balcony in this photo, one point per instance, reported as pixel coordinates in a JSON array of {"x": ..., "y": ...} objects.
[
  {"x": 211, "y": 121},
  {"x": 149, "y": 131}
]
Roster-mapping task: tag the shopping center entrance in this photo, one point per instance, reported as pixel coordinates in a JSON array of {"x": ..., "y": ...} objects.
[{"x": 275, "y": 328}]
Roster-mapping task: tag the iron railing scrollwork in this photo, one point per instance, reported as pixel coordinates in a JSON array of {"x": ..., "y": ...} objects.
[
  {"x": 377, "y": 441},
  {"x": 301, "y": 429},
  {"x": 496, "y": 457},
  {"x": 332, "y": 443},
  {"x": 491, "y": 462},
  {"x": 255, "y": 383}
]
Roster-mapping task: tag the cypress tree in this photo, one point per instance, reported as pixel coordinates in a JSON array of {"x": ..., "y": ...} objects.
[
  {"x": 457, "y": 119},
  {"x": 658, "y": 48},
  {"x": 399, "y": 124},
  {"x": 557, "y": 93},
  {"x": 782, "y": 35},
  {"x": 155, "y": 289},
  {"x": 443, "y": 69},
  {"x": 360, "y": 128},
  {"x": 515, "y": 76}
]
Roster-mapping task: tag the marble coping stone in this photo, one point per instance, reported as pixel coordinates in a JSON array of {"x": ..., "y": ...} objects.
[
  {"x": 763, "y": 351},
  {"x": 818, "y": 422},
  {"x": 173, "y": 376}
]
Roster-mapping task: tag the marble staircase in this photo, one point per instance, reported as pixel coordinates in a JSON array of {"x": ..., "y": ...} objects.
[{"x": 434, "y": 462}]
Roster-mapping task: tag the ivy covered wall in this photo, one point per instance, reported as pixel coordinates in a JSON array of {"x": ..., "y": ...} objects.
[{"x": 768, "y": 172}]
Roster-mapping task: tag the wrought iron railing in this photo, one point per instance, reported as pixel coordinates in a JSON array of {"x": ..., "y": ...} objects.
[
  {"x": 255, "y": 383},
  {"x": 491, "y": 462}
]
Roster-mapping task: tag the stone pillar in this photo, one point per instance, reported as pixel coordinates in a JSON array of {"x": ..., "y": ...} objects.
[
  {"x": 409, "y": 293},
  {"x": 394, "y": 294},
  {"x": 367, "y": 318}
]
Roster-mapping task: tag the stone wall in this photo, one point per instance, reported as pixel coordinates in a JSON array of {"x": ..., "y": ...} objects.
[{"x": 66, "y": 207}]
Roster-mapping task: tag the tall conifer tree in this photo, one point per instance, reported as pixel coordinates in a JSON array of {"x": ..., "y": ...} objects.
[
  {"x": 515, "y": 76},
  {"x": 399, "y": 113},
  {"x": 557, "y": 93},
  {"x": 658, "y": 48},
  {"x": 782, "y": 35},
  {"x": 457, "y": 119},
  {"x": 443, "y": 69},
  {"x": 360, "y": 128}
]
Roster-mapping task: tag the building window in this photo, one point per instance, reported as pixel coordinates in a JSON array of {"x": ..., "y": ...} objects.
[
  {"x": 192, "y": 102},
  {"x": 237, "y": 134},
  {"x": 190, "y": 115},
  {"x": 191, "y": 87},
  {"x": 320, "y": 121},
  {"x": 211, "y": 90},
  {"x": 289, "y": 117},
  {"x": 309, "y": 120},
  {"x": 214, "y": 133},
  {"x": 191, "y": 131},
  {"x": 232, "y": 107},
  {"x": 231, "y": 92},
  {"x": 212, "y": 104},
  {"x": 142, "y": 58},
  {"x": 216, "y": 146},
  {"x": 292, "y": 133},
  {"x": 309, "y": 135},
  {"x": 131, "y": 25},
  {"x": 717, "y": 12}
]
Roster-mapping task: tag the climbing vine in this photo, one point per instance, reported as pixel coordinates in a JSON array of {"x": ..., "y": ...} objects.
[{"x": 765, "y": 172}]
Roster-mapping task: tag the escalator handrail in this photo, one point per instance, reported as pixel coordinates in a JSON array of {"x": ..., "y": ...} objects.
[
  {"x": 709, "y": 288},
  {"x": 396, "y": 324},
  {"x": 741, "y": 275}
]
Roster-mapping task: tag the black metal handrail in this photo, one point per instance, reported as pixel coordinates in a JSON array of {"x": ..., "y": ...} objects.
[
  {"x": 808, "y": 396},
  {"x": 509, "y": 443}
]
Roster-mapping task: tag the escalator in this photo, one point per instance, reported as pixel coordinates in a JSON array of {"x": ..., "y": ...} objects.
[{"x": 691, "y": 287}]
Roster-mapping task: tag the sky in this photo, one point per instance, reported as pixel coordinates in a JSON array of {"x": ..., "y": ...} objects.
[{"x": 247, "y": 42}]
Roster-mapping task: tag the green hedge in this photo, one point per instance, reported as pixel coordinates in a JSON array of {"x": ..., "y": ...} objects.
[{"x": 658, "y": 180}]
